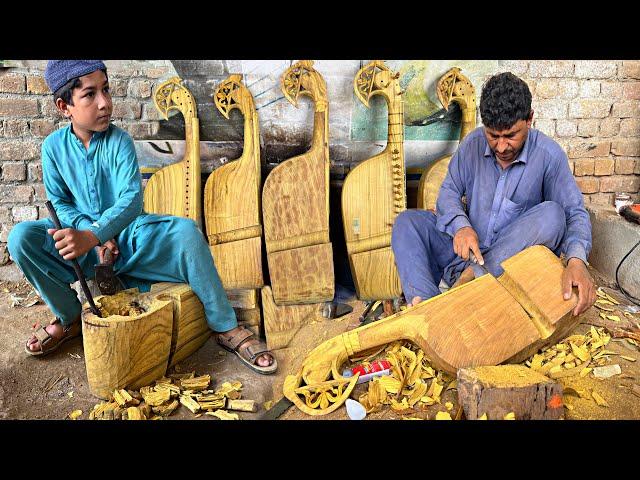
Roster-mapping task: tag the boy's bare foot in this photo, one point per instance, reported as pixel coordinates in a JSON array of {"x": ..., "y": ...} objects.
[
  {"x": 415, "y": 301},
  {"x": 466, "y": 276}
]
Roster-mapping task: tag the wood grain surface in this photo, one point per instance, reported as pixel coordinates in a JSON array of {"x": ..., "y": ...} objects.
[
  {"x": 374, "y": 193},
  {"x": 175, "y": 189},
  {"x": 232, "y": 197}
]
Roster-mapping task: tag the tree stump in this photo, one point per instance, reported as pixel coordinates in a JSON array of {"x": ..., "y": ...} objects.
[{"x": 497, "y": 391}]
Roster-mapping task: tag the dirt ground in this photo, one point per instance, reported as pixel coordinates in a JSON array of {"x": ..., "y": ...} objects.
[{"x": 54, "y": 386}]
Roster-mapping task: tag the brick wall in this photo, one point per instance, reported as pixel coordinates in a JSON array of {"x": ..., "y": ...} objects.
[{"x": 592, "y": 108}]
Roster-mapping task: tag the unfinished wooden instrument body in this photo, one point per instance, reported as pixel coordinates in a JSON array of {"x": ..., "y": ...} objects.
[
  {"x": 175, "y": 189},
  {"x": 232, "y": 198},
  {"x": 452, "y": 87},
  {"x": 295, "y": 203},
  {"x": 484, "y": 322},
  {"x": 374, "y": 193}
]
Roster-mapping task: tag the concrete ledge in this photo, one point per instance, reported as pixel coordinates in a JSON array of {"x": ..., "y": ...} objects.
[{"x": 613, "y": 237}]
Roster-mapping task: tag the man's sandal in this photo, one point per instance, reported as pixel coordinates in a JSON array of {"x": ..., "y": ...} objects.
[
  {"x": 48, "y": 343},
  {"x": 250, "y": 353}
]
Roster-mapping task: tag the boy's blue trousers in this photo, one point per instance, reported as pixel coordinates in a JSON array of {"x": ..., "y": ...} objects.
[{"x": 153, "y": 248}]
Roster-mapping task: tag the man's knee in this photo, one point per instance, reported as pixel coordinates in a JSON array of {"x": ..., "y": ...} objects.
[
  {"x": 22, "y": 237},
  {"x": 411, "y": 221},
  {"x": 553, "y": 217}
]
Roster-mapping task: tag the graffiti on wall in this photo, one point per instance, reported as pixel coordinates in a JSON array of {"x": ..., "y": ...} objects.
[{"x": 419, "y": 79}]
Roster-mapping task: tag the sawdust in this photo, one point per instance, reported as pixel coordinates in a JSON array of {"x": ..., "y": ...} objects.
[{"x": 509, "y": 376}]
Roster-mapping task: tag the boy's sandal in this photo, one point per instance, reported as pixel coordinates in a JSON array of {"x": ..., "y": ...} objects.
[
  {"x": 48, "y": 343},
  {"x": 250, "y": 353}
]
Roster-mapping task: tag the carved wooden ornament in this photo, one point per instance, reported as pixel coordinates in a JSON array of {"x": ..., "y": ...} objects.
[
  {"x": 452, "y": 87},
  {"x": 374, "y": 193},
  {"x": 175, "y": 189},
  {"x": 232, "y": 197}
]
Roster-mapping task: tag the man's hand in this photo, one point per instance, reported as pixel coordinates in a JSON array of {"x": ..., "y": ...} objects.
[
  {"x": 110, "y": 245},
  {"x": 464, "y": 240},
  {"x": 577, "y": 275},
  {"x": 72, "y": 243}
]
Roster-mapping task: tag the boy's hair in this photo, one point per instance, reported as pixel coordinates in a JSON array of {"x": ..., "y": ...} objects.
[
  {"x": 505, "y": 100},
  {"x": 66, "y": 91}
]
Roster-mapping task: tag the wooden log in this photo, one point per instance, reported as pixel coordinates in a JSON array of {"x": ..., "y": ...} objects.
[
  {"x": 374, "y": 193},
  {"x": 127, "y": 351},
  {"x": 176, "y": 189},
  {"x": 452, "y": 87},
  {"x": 495, "y": 391},
  {"x": 282, "y": 322},
  {"x": 232, "y": 197},
  {"x": 295, "y": 202},
  {"x": 190, "y": 328},
  {"x": 487, "y": 321}
]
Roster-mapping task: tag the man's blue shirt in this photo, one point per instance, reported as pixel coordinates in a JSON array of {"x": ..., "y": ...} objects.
[
  {"x": 495, "y": 197},
  {"x": 99, "y": 189}
]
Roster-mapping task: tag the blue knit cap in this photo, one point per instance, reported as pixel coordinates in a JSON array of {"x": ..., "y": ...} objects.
[{"x": 59, "y": 72}]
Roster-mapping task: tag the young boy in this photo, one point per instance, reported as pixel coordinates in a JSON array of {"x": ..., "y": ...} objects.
[{"x": 91, "y": 175}]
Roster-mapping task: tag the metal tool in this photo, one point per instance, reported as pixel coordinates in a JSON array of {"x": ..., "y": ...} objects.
[
  {"x": 473, "y": 258},
  {"x": 74, "y": 263},
  {"x": 107, "y": 281},
  {"x": 335, "y": 309},
  {"x": 277, "y": 410}
]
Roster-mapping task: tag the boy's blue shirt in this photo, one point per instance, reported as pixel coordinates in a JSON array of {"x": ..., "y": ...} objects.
[{"x": 99, "y": 189}]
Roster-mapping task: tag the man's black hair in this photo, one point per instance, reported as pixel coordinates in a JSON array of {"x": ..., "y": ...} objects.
[
  {"x": 505, "y": 100},
  {"x": 65, "y": 92}
]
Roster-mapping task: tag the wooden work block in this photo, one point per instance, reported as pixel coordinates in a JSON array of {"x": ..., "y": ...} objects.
[
  {"x": 282, "y": 322},
  {"x": 499, "y": 390},
  {"x": 190, "y": 329},
  {"x": 246, "y": 305},
  {"x": 128, "y": 350}
]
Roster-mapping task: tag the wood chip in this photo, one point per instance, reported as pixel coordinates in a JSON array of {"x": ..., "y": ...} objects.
[
  {"x": 196, "y": 383},
  {"x": 134, "y": 413},
  {"x": 223, "y": 415},
  {"x": 510, "y": 416},
  {"x": 75, "y": 414},
  {"x": 630, "y": 359},
  {"x": 190, "y": 403},
  {"x": 599, "y": 400},
  {"x": 241, "y": 405},
  {"x": 443, "y": 416},
  {"x": 166, "y": 409}
]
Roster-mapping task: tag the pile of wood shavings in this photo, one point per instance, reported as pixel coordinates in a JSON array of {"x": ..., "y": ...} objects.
[
  {"x": 412, "y": 384},
  {"x": 575, "y": 355},
  {"x": 166, "y": 395}
]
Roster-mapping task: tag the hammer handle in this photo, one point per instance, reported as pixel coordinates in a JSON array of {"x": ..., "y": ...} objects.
[{"x": 74, "y": 262}]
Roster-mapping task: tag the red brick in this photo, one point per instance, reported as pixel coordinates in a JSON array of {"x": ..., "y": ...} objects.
[
  {"x": 636, "y": 170},
  {"x": 610, "y": 127},
  {"x": 625, "y": 165},
  {"x": 37, "y": 85},
  {"x": 584, "y": 167},
  {"x": 626, "y": 147},
  {"x": 588, "y": 184},
  {"x": 4, "y": 232},
  {"x": 139, "y": 88},
  {"x": 19, "y": 150},
  {"x": 588, "y": 149},
  {"x": 602, "y": 198},
  {"x": 630, "y": 127},
  {"x": 14, "y": 172},
  {"x": 42, "y": 127},
  {"x": 24, "y": 213},
  {"x": 15, "y": 193},
  {"x": 551, "y": 68},
  {"x": 630, "y": 69},
  {"x": 596, "y": 69},
  {"x": 628, "y": 109},
  {"x": 35, "y": 172},
  {"x": 18, "y": 107},
  {"x": 118, "y": 88},
  {"x": 588, "y": 127},
  {"x": 626, "y": 183},
  {"x": 603, "y": 166},
  {"x": 49, "y": 109},
  {"x": 4, "y": 255},
  {"x": 589, "y": 108},
  {"x": 139, "y": 130},
  {"x": 11, "y": 83},
  {"x": 631, "y": 90},
  {"x": 611, "y": 90},
  {"x": 127, "y": 110},
  {"x": 15, "y": 128},
  {"x": 39, "y": 193}
]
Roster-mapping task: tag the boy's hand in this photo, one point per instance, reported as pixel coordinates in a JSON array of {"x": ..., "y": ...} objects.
[
  {"x": 466, "y": 240},
  {"x": 72, "y": 243},
  {"x": 110, "y": 245}
]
